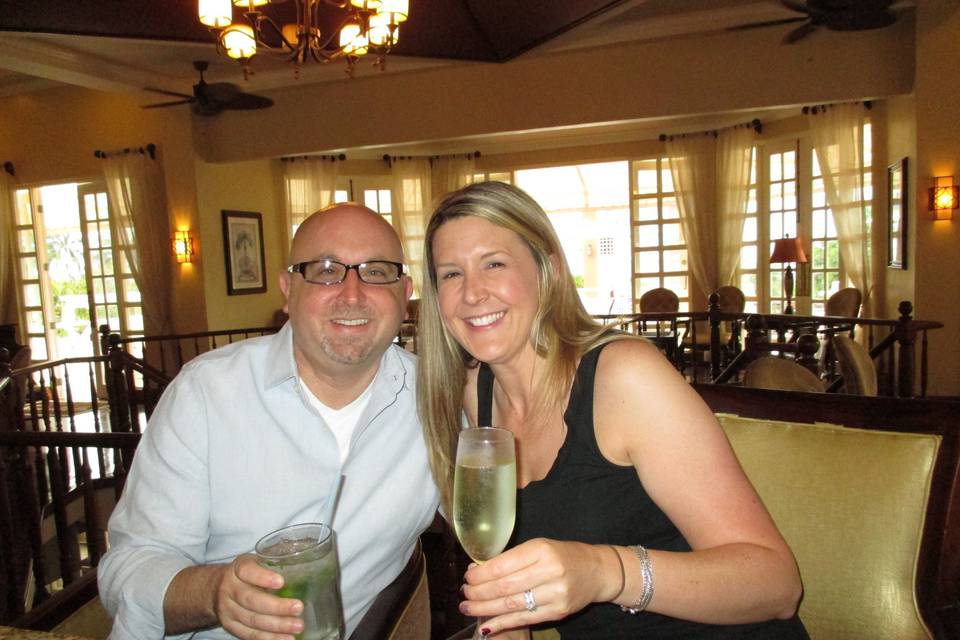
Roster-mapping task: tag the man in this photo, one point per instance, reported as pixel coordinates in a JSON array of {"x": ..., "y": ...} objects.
[{"x": 256, "y": 435}]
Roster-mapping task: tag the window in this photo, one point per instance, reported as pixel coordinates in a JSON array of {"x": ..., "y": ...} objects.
[
  {"x": 588, "y": 203},
  {"x": 659, "y": 249},
  {"x": 782, "y": 214}
]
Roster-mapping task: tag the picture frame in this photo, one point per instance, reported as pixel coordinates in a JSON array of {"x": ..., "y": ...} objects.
[
  {"x": 243, "y": 252},
  {"x": 897, "y": 207}
]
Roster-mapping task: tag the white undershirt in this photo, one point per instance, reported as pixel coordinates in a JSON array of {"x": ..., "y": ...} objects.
[{"x": 343, "y": 422}]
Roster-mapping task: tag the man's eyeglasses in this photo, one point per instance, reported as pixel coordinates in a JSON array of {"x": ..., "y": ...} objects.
[{"x": 333, "y": 272}]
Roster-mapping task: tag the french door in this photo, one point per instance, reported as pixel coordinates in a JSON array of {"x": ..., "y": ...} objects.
[{"x": 72, "y": 277}]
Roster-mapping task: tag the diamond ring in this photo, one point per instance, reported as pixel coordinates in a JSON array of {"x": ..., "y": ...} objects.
[{"x": 529, "y": 601}]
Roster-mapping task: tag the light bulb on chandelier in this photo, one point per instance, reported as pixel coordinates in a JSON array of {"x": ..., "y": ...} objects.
[{"x": 369, "y": 27}]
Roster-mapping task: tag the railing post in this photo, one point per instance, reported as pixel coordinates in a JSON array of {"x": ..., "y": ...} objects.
[
  {"x": 104, "y": 331},
  {"x": 117, "y": 386},
  {"x": 807, "y": 347},
  {"x": 714, "y": 311},
  {"x": 906, "y": 337}
]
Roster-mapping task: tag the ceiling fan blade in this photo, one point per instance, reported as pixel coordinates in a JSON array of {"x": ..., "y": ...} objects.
[
  {"x": 767, "y": 23},
  {"x": 167, "y": 104},
  {"x": 794, "y": 5},
  {"x": 219, "y": 91},
  {"x": 246, "y": 101},
  {"x": 799, "y": 33},
  {"x": 167, "y": 93}
]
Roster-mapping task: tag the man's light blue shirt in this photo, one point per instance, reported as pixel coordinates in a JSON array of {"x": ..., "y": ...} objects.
[{"x": 234, "y": 451}]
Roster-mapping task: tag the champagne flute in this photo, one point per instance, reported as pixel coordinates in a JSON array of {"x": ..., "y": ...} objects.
[{"x": 484, "y": 493}]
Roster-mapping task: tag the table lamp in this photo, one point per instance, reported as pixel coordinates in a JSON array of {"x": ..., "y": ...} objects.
[{"x": 788, "y": 250}]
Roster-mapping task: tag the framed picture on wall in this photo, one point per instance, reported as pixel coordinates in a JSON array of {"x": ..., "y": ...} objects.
[
  {"x": 897, "y": 215},
  {"x": 243, "y": 252}
]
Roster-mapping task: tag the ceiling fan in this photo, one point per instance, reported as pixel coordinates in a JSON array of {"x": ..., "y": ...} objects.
[
  {"x": 210, "y": 98},
  {"x": 836, "y": 15}
]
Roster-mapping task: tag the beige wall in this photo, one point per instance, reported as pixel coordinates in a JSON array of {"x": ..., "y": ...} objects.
[
  {"x": 901, "y": 142},
  {"x": 239, "y": 186},
  {"x": 937, "y": 292}
]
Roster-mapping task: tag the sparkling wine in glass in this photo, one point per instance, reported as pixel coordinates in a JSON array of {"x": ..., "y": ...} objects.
[{"x": 484, "y": 492}]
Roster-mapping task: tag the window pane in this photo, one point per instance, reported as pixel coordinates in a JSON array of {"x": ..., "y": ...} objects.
[
  {"x": 25, "y": 243},
  {"x": 646, "y": 235},
  {"x": 675, "y": 260},
  {"x": 750, "y": 229},
  {"x": 31, "y": 295},
  {"x": 646, "y": 176},
  {"x": 28, "y": 268},
  {"x": 748, "y": 257},
  {"x": 748, "y": 284},
  {"x": 672, "y": 234},
  {"x": 670, "y": 209},
  {"x": 647, "y": 262},
  {"x": 647, "y": 210}
]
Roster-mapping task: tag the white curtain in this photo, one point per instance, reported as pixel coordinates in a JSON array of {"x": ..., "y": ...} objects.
[
  {"x": 140, "y": 227},
  {"x": 309, "y": 184},
  {"x": 411, "y": 199},
  {"x": 451, "y": 173},
  {"x": 734, "y": 157},
  {"x": 693, "y": 166},
  {"x": 838, "y": 140},
  {"x": 8, "y": 285}
]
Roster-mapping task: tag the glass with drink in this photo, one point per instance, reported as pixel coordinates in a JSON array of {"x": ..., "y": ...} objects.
[
  {"x": 306, "y": 556},
  {"x": 484, "y": 492}
]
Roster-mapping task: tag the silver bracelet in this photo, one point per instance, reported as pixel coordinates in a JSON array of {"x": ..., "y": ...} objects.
[{"x": 646, "y": 572}]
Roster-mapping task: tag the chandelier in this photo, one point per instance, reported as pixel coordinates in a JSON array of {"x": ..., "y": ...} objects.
[{"x": 370, "y": 27}]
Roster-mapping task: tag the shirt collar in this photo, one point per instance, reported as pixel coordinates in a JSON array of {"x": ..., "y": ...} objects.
[{"x": 282, "y": 366}]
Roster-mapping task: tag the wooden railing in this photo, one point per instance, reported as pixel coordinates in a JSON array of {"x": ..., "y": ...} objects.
[
  {"x": 166, "y": 354},
  {"x": 901, "y": 368},
  {"x": 61, "y": 471}
]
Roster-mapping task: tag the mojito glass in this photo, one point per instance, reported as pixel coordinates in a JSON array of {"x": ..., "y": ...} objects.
[{"x": 306, "y": 556}]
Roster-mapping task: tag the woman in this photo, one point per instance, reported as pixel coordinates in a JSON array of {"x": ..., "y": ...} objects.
[{"x": 629, "y": 492}]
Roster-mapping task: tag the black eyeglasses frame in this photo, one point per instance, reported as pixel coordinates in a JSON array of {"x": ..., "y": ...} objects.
[{"x": 301, "y": 268}]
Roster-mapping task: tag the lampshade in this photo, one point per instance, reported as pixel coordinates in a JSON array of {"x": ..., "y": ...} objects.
[
  {"x": 239, "y": 42},
  {"x": 352, "y": 41},
  {"x": 399, "y": 9},
  {"x": 379, "y": 32},
  {"x": 251, "y": 3},
  {"x": 216, "y": 13},
  {"x": 788, "y": 250},
  {"x": 183, "y": 246},
  {"x": 944, "y": 198}
]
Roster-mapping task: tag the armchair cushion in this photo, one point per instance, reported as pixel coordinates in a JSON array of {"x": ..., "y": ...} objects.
[{"x": 852, "y": 504}]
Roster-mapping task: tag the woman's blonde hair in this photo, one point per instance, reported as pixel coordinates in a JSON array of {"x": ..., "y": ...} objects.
[{"x": 561, "y": 332}]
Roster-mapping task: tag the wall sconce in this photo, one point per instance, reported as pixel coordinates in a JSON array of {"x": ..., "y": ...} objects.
[
  {"x": 943, "y": 198},
  {"x": 183, "y": 246}
]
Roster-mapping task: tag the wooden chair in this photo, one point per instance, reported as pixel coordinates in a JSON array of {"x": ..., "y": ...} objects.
[
  {"x": 696, "y": 338},
  {"x": 659, "y": 299},
  {"x": 856, "y": 367},
  {"x": 865, "y": 492},
  {"x": 402, "y": 610},
  {"x": 845, "y": 303},
  {"x": 771, "y": 372}
]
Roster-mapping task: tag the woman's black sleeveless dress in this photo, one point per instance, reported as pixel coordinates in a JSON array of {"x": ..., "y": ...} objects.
[{"x": 586, "y": 498}]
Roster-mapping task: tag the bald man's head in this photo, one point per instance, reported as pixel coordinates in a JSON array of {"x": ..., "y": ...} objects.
[{"x": 342, "y": 329}]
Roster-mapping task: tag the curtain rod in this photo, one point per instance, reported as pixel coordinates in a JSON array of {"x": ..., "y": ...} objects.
[
  {"x": 331, "y": 158},
  {"x": 389, "y": 159},
  {"x": 822, "y": 108},
  {"x": 149, "y": 149},
  {"x": 754, "y": 124},
  {"x": 8, "y": 167}
]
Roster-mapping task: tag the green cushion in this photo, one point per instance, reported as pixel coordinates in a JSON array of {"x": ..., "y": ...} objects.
[{"x": 851, "y": 503}]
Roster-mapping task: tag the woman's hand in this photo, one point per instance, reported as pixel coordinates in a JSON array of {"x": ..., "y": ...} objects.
[{"x": 561, "y": 578}]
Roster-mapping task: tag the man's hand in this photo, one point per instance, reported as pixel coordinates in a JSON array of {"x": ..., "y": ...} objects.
[{"x": 234, "y": 596}]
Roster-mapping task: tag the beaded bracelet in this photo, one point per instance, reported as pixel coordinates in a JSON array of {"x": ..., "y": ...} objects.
[{"x": 646, "y": 572}]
